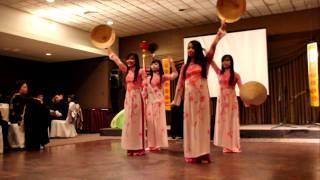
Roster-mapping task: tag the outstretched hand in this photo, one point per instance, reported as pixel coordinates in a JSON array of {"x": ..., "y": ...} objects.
[
  {"x": 246, "y": 104},
  {"x": 222, "y": 30},
  {"x": 223, "y": 25},
  {"x": 170, "y": 59},
  {"x": 111, "y": 54},
  {"x": 173, "y": 104}
]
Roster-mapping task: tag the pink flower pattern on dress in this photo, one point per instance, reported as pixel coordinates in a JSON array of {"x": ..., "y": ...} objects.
[
  {"x": 185, "y": 116},
  {"x": 132, "y": 132},
  {"x": 156, "y": 119},
  {"x": 227, "y": 128},
  {"x": 196, "y": 111}
]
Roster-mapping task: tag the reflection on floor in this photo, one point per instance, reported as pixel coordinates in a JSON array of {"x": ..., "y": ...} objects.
[{"x": 103, "y": 158}]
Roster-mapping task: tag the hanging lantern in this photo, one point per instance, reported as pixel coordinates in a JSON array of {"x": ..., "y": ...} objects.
[{"x": 144, "y": 46}]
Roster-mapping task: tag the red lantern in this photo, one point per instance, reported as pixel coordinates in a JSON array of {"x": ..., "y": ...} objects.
[{"x": 144, "y": 46}]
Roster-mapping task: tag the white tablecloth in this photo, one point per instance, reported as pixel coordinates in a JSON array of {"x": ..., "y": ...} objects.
[{"x": 4, "y": 108}]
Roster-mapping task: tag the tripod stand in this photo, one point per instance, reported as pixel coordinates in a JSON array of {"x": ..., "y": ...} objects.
[
  {"x": 311, "y": 123},
  {"x": 282, "y": 99}
]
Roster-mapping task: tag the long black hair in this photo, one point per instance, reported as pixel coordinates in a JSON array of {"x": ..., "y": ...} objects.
[
  {"x": 73, "y": 98},
  {"x": 232, "y": 80},
  {"x": 136, "y": 65},
  {"x": 199, "y": 58},
  {"x": 161, "y": 72},
  {"x": 18, "y": 85}
]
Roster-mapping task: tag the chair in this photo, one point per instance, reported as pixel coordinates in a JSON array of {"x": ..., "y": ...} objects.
[
  {"x": 65, "y": 128},
  {"x": 16, "y": 136},
  {"x": 78, "y": 118}
]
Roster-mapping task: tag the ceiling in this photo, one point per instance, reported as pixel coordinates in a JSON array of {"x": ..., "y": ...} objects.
[
  {"x": 132, "y": 17},
  {"x": 24, "y": 48}
]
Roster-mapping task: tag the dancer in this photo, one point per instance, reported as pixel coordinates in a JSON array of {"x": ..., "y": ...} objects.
[
  {"x": 155, "y": 110},
  {"x": 227, "y": 128},
  {"x": 193, "y": 79},
  {"x": 133, "y": 130}
]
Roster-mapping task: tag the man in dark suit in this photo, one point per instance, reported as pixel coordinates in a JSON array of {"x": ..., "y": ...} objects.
[{"x": 59, "y": 107}]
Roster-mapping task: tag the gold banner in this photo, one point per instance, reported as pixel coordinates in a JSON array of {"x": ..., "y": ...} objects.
[
  {"x": 166, "y": 86},
  {"x": 313, "y": 74}
]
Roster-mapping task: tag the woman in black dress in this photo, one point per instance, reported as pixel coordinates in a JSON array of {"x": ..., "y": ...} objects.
[{"x": 36, "y": 123}]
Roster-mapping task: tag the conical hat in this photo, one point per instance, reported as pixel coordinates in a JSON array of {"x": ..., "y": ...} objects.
[
  {"x": 102, "y": 36},
  {"x": 253, "y": 93},
  {"x": 230, "y": 10}
]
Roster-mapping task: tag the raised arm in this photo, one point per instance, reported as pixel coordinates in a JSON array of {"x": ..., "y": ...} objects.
[
  {"x": 174, "y": 73},
  {"x": 144, "y": 78},
  {"x": 221, "y": 32},
  {"x": 239, "y": 82},
  {"x": 117, "y": 60},
  {"x": 215, "y": 67}
]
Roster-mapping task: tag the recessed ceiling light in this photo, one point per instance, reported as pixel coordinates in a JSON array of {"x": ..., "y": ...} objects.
[
  {"x": 48, "y": 54},
  {"x": 50, "y": 1},
  {"x": 110, "y": 22},
  {"x": 184, "y": 10},
  {"x": 89, "y": 12}
]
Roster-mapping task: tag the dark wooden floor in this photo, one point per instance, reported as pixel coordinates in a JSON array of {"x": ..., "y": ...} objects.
[{"x": 105, "y": 160}]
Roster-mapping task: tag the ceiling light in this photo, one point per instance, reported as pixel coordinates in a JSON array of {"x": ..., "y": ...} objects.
[
  {"x": 110, "y": 22},
  {"x": 50, "y": 1},
  {"x": 184, "y": 10},
  {"x": 89, "y": 12},
  {"x": 48, "y": 54},
  {"x": 41, "y": 13}
]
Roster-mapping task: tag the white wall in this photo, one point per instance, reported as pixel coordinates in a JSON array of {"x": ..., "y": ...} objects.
[{"x": 23, "y": 24}]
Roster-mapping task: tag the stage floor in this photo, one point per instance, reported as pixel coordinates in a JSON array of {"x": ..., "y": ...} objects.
[
  {"x": 104, "y": 159},
  {"x": 275, "y": 131},
  {"x": 274, "y": 127}
]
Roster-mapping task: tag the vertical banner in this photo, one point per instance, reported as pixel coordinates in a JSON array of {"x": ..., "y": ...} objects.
[
  {"x": 166, "y": 86},
  {"x": 313, "y": 74}
]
